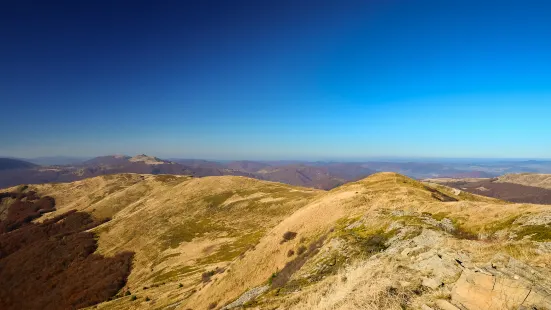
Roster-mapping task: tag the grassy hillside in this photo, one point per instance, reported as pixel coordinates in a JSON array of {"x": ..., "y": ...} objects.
[
  {"x": 528, "y": 179},
  {"x": 384, "y": 242},
  {"x": 179, "y": 227}
]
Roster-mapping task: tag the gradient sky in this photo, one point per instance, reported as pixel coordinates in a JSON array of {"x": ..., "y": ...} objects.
[{"x": 276, "y": 79}]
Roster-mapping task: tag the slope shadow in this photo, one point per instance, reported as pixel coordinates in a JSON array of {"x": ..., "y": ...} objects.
[{"x": 52, "y": 265}]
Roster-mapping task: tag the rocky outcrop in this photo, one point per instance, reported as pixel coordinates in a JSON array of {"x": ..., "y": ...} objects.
[
  {"x": 504, "y": 283},
  {"x": 503, "y": 286}
]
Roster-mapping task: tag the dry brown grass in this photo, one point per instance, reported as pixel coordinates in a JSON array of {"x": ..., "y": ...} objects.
[
  {"x": 178, "y": 227},
  {"x": 528, "y": 179},
  {"x": 377, "y": 193},
  {"x": 182, "y": 227}
]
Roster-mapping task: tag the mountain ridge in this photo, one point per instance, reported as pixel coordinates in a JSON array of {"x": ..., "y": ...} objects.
[{"x": 222, "y": 236}]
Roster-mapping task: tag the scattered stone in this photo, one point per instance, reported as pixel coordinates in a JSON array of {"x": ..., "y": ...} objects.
[
  {"x": 354, "y": 225},
  {"x": 445, "y": 305},
  {"x": 394, "y": 226},
  {"x": 398, "y": 213},
  {"x": 405, "y": 283},
  {"x": 412, "y": 251},
  {"x": 247, "y": 296},
  {"x": 431, "y": 283},
  {"x": 425, "y": 307},
  {"x": 543, "y": 248},
  {"x": 442, "y": 266},
  {"x": 540, "y": 219},
  {"x": 447, "y": 225}
]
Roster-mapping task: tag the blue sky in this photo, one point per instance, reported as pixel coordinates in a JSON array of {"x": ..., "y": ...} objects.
[{"x": 276, "y": 79}]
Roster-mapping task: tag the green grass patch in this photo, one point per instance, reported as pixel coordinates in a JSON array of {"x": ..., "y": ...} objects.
[
  {"x": 162, "y": 276},
  {"x": 508, "y": 223},
  {"x": 535, "y": 232},
  {"x": 231, "y": 250},
  {"x": 188, "y": 231},
  {"x": 409, "y": 220},
  {"x": 440, "y": 215},
  {"x": 214, "y": 201}
]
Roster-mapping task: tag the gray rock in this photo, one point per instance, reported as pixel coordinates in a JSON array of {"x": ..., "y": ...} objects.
[
  {"x": 445, "y": 305},
  {"x": 431, "y": 283},
  {"x": 247, "y": 296},
  {"x": 425, "y": 307}
]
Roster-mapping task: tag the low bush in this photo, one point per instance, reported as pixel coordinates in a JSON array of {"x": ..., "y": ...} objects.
[
  {"x": 281, "y": 278},
  {"x": 205, "y": 276},
  {"x": 289, "y": 235}
]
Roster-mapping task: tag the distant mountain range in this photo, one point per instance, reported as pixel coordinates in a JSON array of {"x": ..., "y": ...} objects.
[
  {"x": 10, "y": 163},
  {"x": 321, "y": 175}
]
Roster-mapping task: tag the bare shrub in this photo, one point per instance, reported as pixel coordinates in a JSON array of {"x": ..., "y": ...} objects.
[
  {"x": 282, "y": 277},
  {"x": 205, "y": 276},
  {"x": 290, "y": 253},
  {"x": 288, "y": 235}
]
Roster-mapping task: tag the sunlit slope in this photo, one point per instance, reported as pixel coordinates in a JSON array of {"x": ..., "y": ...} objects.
[
  {"x": 178, "y": 226},
  {"x": 528, "y": 179},
  {"x": 378, "y": 243},
  {"x": 367, "y": 207}
]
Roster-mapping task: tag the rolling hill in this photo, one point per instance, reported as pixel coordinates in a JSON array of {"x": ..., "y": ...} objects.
[
  {"x": 525, "y": 187},
  {"x": 301, "y": 175},
  {"x": 320, "y": 174},
  {"x": 10, "y": 164},
  {"x": 383, "y": 242},
  {"x": 527, "y": 179}
]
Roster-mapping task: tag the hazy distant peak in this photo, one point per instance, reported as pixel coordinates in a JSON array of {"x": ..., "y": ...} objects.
[
  {"x": 120, "y": 156},
  {"x": 150, "y": 160},
  {"x": 12, "y": 163}
]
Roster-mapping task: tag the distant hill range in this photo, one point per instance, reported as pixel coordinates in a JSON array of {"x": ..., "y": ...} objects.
[
  {"x": 320, "y": 175},
  {"x": 10, "y": 163},
  {"x": 523, "y": 187}
]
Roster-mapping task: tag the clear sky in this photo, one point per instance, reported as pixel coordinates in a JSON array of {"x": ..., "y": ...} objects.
[{"x": 276, "y": 79}]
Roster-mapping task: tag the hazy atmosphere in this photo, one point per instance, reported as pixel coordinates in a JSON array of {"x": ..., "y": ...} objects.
[{"x": 276, "y": 79}]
